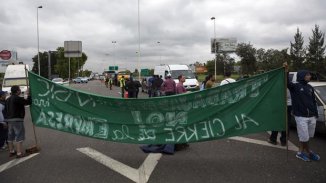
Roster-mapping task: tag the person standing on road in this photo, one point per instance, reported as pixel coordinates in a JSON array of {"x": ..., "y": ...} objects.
[
  {"x": 150, "y": 86},
  {"x": 110, "y": 82},
  {"x": 138, "y": 85},
  {"x": 227, "y": 79},
  {"x": 169, "y": 86},
  {"x": 131, "y": 88},
  {"x": 106, "y": 81},
  {"x": 122, "y": 85},
  {"x": 3, "y": 123},
  {"x": 179, "y": 90},
  {"x": 273, "y": 137},
  {"x": 305, "y": 112},
  {"x": 158, "y": 81},
  {"x": 203, "y": 84},
  {"x": 15, "y": 110},
  {"x": 210, "y": 82}
]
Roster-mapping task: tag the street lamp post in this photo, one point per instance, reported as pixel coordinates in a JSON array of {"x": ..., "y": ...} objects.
[
  {"x": 113, "y": 42},
  {"x": 158, "y": 42},
  {"x": 138, "y": 42},
  {"x": 38, "y": 42},
  {"x": 213, "y": 18}
]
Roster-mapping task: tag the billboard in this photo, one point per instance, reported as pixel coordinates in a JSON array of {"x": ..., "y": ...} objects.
[
  {"x": 73, "y": 48},
  {"x": 223, "y": 45}
]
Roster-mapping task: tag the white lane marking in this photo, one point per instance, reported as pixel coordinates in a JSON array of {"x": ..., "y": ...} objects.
[
  {"x": 15, "y": 162},
  {"x": 292, "y": 147},
  {"x": 140, "y": 175}
]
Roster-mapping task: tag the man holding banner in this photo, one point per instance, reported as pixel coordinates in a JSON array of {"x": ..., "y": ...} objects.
[{"x": 305, "y": 113}]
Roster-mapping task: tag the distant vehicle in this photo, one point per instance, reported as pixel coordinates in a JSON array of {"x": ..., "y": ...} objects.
[
  {"x": 58, "y": 81},
  {"x": 80, "y": 80},
  {"x": 15, "y": 75},
  {"x": 102, "y": 77},
  {"x": 191, "y": 82}
]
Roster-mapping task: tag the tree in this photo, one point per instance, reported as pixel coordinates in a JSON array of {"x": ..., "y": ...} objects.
[
  {"x": 62, "y": 66},
  {"x": 316, "y": 49},
  {"x": 210, "y": 65},
  {"x": 297, "y": 52},
  {"x": 271, "y": 59},
  {"x": 43, "y": 64},
  {"x": 59, "y": 64},
  {"x": 248, "y": 60}
]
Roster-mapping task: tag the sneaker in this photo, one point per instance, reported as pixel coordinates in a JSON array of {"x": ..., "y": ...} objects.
[
  {"x": 4, "y": 147},
  {"x": 21, "y": 155},
  {"x": 272, "y": 142},
  {"x": 11, "y": 154},
  {"x": 302, "y": 156},
  {"x": 313, "y": 156}
]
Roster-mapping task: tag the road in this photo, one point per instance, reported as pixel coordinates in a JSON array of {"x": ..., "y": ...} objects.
[{"x": 70, "y": 158}]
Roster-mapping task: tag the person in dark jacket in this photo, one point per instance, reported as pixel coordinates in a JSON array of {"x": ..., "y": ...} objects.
[
  {"x": 3, "y": 123},
  {"x": 138, "y": 85},
  {"x": 131, "y": 88},
  {"x": 305, "y": 112},
  {"x": 15, "y": 110}
]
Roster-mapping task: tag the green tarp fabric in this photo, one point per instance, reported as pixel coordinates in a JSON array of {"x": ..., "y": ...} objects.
[{"x": 248, "y": 106}]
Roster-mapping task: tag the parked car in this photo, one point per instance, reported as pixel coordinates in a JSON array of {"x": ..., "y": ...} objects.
[
  {"x": 80, "y": 80},
  {"x": 57, "y": 81},
  {"x": 320, "y": 92}
]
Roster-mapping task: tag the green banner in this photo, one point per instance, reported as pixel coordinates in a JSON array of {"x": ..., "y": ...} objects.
[{"x": 248, "y": 106}]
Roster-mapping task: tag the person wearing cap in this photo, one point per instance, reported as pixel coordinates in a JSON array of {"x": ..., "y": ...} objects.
[
  {"x": 15, "y": 111},
  {"x": 169, "y": 86},
  {"x": 304, "y": 108},
  {"x": 3, "y": 123}
]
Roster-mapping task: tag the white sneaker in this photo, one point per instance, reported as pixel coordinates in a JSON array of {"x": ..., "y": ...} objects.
[{"x": 4, "y": 147}]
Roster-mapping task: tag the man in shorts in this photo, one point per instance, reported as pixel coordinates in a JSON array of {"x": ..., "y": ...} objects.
[
  {"x": 305, "y": 112},
  {"x": 15, "y": 110}
]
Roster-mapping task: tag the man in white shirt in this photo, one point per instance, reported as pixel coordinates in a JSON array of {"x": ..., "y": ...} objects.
[{"x": 227, "y": 79}]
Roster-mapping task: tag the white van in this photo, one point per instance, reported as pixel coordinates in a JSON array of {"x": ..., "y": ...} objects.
[
  {"x": 191, "y": 82},
  {"x": 15, "y": 75}
]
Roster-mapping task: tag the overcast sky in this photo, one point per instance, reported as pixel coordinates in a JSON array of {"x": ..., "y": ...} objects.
[{"x": 183, "y": 27}]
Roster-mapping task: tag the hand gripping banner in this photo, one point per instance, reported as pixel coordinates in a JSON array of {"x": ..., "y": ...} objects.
[{"x": 248, "y": 106}]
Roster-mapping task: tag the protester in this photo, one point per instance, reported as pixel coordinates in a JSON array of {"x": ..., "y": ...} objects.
[
  {"x": 168, "y": 86},
  {"x": 131, "y": 88},
  {"x": 227, "y": 79},
  {"x": 157, "y": 83},
  {"x": 122, "y": 85},
  {"x": 203, "y": 84},
  {"x": 106, "y": 81},
  {"x": 138, "y": 85},
  {"x": 210, "y": 82},
  {"x": 3, "y": 123},
  {"x": 110, "y": 82},
  {"x": 150, "y": 86},
  {"x": 305, "y": 112},
  {"x": 15, "y": 110},
  {"x": 273, "y": 137},
  {"x": 179, "y": 90}
]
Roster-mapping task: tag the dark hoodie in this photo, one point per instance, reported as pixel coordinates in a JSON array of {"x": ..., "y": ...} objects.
[{"x": 303, "y": 97}]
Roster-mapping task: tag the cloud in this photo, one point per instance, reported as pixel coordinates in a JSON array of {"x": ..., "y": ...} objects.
[{"x": 183, "y": 27}]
